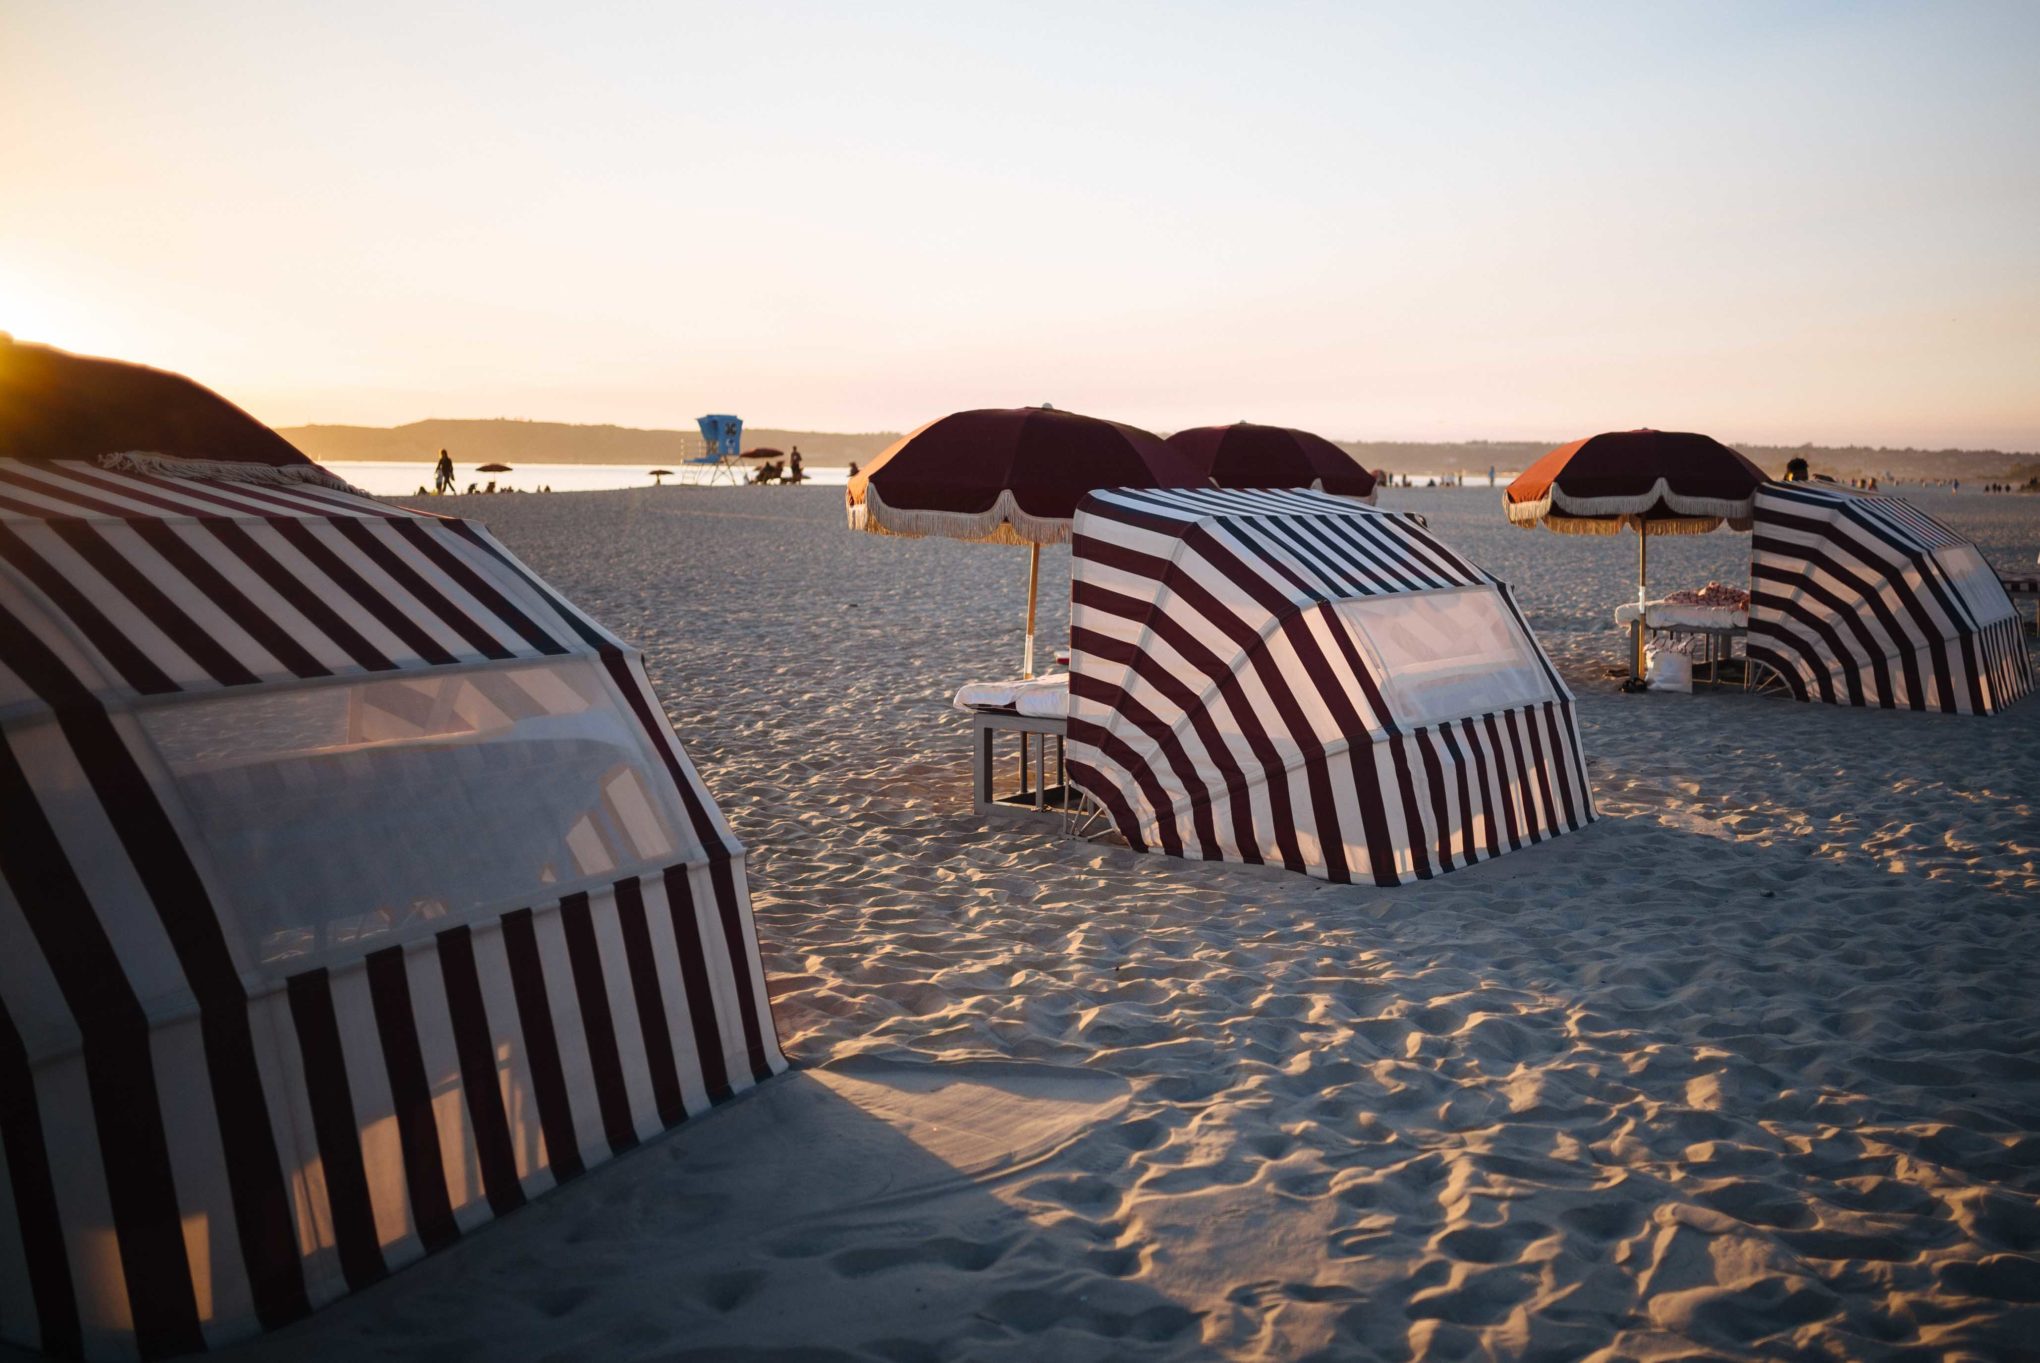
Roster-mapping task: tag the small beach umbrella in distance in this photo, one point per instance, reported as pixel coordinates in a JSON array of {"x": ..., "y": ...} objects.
[
  {"x": 492, "y": 468},
  {"x": 1653, "y": 482},
  {"x": 1246, "y": 455},
  {"x": 763, "y": 452},
  {"x": 659, "y": 477},
  {"x": 1007, "y": 475}
]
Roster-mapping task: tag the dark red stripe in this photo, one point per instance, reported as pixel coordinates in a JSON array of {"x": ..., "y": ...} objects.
[
  {"x": 301, "y": 537},
  {"x": 424, "y": 536},
  {"x": 651, "y": 1003},
  {"x": 77, "y": 499},
  {"x": 585, "y": 958},
  {"x": 90, "y": 544},
  {"x": 475, "y": 1043},
  {"x": 1791, "y": 563},
  {"x": 1468, "y": 834},
  {"x": 1487, "y": 799},
  {"x": 1137, "y": 767},
  {"x": 708, "y": 1044},
  {"x": 1543, "y": 769},
  {"x": 1434, "y": 777},
  {"x": 1561, "y": 761},
  {"x": 1507, "y": 779},
  {"x": 1413, "y": 818},
  {"x": 541, "y": 1046},
  {"x": 1188, "y": 777},
  {"x": 1531, "y": 817},
  {"x": 126, "y": 1109},
  {"x": 136, "y": 487},
  {"x": 389, "y": 989},
  {"x": 365, "y": 538},
  {"x": 135, "y": 667},
  {"x": 164, "y": 539},
  {"x": 35, "y": 1198},
  {"x": 723, "y": 877},
  {"x": 337, "y": 1128},
  {"x": 263, "y": 1217},
  {"x": 301, "y": 597}
]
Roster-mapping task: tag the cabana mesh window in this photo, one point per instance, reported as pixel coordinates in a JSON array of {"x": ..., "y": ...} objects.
[
  {"x": 1441, "y": 655},
  {"x": 360, "y": 814}
]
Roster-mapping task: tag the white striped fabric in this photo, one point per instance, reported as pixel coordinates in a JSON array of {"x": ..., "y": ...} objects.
[
  {"x": 1291, "y": 678},
  {"x": 1862, "y": 599},
  {"x": 201, "y": 1137}
]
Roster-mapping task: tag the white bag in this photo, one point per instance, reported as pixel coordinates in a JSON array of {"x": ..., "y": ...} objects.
[{"x": 1667, "y": 669}]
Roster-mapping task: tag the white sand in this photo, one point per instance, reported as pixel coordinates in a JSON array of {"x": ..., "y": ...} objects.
[{"x": 1751, "y": 1068}]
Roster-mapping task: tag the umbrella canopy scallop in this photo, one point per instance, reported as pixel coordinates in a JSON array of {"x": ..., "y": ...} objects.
[
  {"x": 1007, "y": 475},
  {"x": 1676, "y": 481},
  {"x": 1244, "y": 455}
]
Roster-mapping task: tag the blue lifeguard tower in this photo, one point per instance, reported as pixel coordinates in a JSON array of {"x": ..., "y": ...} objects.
[{"x": 722, "y": 446}]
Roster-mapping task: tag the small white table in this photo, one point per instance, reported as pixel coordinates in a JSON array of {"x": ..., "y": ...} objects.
[
  {"x": 1717, "y": 628},
  {"x": 1032, "y": 796}
]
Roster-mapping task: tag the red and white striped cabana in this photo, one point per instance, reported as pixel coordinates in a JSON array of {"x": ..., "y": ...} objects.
[
  {"x": 1296, "y": 679},
  {"x": 354, "y": 890},
  {"x": 1862, "y": 599}
]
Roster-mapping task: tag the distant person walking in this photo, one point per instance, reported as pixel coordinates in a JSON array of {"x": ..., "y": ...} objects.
[
  {"x": 442, "y": 477},
  {"x": 793, "y": 473}
]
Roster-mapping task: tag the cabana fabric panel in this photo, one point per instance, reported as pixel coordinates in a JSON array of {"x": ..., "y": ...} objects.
[
  {"x": 1863, "y": 599},
  {"x": 207, "y": 1129},
  {"x": 1224, "y": 704}
]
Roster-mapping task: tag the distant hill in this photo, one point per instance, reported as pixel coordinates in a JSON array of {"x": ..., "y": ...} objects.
[
  {"x": 552, "y": 442},
  {"x": 1838, "y": 461}
]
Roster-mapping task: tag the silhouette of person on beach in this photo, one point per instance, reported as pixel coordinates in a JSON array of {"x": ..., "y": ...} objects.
[
  {"x": 793, "y": 473},
  {"x": 442, "y": 476}
]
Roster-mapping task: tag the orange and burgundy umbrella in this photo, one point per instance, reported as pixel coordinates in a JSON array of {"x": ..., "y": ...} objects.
[
  {"x": 1245, "y": 455},
  {"x": 1008, "y": 475},
  {"x": 1653, "y": 482}
]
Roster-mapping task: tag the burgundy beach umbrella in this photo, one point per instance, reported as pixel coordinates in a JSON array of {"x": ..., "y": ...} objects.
[
  {"x": 1007, "y": 475},
  {"x": 1653, "y": 482},
  {"x": 58, "y": 406},
  {"x": 1245, "y": 455}
]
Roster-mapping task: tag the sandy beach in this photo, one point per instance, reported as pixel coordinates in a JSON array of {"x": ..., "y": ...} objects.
[{"x": 1748, "y": 1069}]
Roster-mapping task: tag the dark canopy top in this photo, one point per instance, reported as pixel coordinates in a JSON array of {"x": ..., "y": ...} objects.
[
  {"x": 1675, "y": 480},
  {"x": 56, "y": 405},
  {"x": 1007, "y": 475},
  {"x": 1244, "y": 455}
]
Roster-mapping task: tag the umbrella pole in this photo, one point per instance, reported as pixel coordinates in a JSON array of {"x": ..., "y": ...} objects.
[
  {"x": 1033, "y": 586},
  {"x": 1636, "y": 630}
]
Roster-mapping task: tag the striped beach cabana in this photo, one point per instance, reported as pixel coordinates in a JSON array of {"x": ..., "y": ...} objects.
[
  {"x": 1862, "y": 599},
  {"x": 1296, "y": 679},
  {"x": 354, "y": 890}
]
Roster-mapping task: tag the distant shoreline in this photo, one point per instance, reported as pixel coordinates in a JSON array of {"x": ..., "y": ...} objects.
[{"x": 499, "y": 440}]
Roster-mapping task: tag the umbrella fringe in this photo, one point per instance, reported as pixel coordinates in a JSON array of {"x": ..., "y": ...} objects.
[
  {"x": 1615, "y": 525},
  {"x": 1004, "y": 522},
  {"x": 224, "y": 471},
  {"x": 1557, "y": 502}
]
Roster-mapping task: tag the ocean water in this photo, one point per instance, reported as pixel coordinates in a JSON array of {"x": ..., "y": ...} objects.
[{"x": 399, "y": 478}]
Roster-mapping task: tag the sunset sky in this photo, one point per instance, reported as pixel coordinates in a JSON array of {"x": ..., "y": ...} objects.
[{"x": 1773, "y": 222}]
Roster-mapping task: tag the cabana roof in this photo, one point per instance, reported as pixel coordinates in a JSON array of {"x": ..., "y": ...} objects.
[{"x": 1295, "y": 678}]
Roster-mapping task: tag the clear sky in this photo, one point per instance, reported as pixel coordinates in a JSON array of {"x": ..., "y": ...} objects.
[{"x": 1771, "y": 222}]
